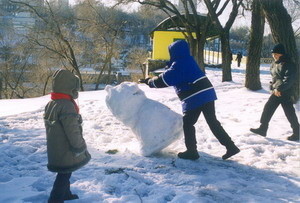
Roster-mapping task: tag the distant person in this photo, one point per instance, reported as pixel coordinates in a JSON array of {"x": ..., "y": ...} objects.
[
  {"x": 196, "y": 94},
  {"x": 231, "y": 58},
  {"x": 284, "y": 75},
  {"x": 239, "y": 57},
  {"x": 66, "y": 148}
]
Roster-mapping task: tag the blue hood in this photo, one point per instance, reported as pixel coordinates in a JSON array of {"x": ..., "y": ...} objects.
[
  {"x": 190, "y": 83},
  {"x": 179, "y": 49}
]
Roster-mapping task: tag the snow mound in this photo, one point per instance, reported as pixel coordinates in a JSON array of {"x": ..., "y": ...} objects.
[{"x": 155, "y": 125}]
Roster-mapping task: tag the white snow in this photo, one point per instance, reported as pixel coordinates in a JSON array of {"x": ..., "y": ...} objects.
[
  {"x": 128, "y": 103},
  {"x": 266, "y": 169}
]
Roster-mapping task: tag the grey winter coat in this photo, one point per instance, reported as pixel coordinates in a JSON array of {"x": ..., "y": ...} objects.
[
  {"x": 284, "y": 76},
  {"x": 66, "y": 147}
]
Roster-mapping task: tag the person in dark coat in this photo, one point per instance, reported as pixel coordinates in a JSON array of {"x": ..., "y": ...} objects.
[
  {"x": 66, "y": 147},
  {"x": 239, "y": 57},
  {"x": 196, "y": 94},
  {"x": 284, "y": 75}
]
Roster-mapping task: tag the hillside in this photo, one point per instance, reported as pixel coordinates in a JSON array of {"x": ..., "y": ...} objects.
[{"x": 266, "y": 169}]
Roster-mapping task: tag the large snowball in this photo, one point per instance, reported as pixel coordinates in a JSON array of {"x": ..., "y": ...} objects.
[{"x": 155, "y": 125}]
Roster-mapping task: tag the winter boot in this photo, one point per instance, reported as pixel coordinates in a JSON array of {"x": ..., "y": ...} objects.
[
  {"x": 50, "y": 200},
  {"x": 189, "y": 154},
  {"x": 294, "y": 137},
  {"x": 232, "y": 149},
  {"x": 71, "y": 196},
  {"x": 262, "y": 130}
]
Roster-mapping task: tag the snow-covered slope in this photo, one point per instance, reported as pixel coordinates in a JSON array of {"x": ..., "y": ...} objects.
[{"x": 266, "y": 169}]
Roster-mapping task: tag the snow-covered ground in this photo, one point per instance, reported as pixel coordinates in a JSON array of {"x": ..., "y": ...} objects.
[{"x": 266, "y": 169}]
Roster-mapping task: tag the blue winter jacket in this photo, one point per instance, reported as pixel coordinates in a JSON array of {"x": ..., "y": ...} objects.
[{"x": 192, "y": 86}]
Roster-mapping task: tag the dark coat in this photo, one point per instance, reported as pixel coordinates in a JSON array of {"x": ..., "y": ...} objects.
[
  {"x": 66, "y": 148},
  {"x": 284, "y": 75},
  {"x": 239, "y": 57},
  {"x": 190, "y": 82}
]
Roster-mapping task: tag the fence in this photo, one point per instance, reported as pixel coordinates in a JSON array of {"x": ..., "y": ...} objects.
[{"x": 214, "y": 57}]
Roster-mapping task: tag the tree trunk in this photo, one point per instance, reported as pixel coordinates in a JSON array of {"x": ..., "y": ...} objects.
[
  {"x": 100, "y": 76},
  {"x": 0, "y": 87},
  {"x": 6, "y": 90},
  {"x": 226, "y": 57},
  {"x": 254, "y": 49},
  {"x": 200, "y": 55},
  {"x": 109, "y": 72},
  {"x": 46, "y": 84},
  {"x": 282, "y": 32},
  {"x": 201, "y": 39},
  {"x": 198, "y": 52},
  {"x": 226, "y": 53},
  {"x": 193, "y": 48}
]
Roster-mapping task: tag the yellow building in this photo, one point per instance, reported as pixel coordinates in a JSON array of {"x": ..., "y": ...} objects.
[
  {"x": 168, "y": 31},
  {"x": 160, "y": 42}
]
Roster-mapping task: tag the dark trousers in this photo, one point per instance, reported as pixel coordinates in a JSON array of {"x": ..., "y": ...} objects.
[
  {"x": 191, "y": 117},
  {"x": 61, "y": 187},
  {"x": 288, "y": 108}
]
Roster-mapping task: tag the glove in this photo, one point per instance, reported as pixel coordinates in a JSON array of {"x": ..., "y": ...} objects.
[{"x": 146, "y": 80}]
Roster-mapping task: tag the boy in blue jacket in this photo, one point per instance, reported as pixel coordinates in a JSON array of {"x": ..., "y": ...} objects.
[{"x": 196, "y": 94}]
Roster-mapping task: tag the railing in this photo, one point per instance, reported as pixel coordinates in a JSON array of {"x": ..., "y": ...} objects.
[{"x": 214, "y": 57}]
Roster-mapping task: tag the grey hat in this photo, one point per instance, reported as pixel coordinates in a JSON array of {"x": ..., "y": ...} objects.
[
  {"x": 279, "y": 49},
  {"x": 64, "y": 81}
]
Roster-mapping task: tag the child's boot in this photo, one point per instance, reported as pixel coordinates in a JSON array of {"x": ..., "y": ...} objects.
[
  {"x": 232, "y": 149},
  {"x": 262, "y": 130},
  {"x": 294, "y": 137},
  {"x": 189, "y": 154},
  {"x": 71, "y": 196}
]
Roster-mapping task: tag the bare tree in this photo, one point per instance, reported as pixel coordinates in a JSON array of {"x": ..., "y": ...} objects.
[
  {"x": 43, "y": 70},
  {"x": 255, "y": 47},
  {"x": 14, "y": 63},
  {"x": 188, "y": 22},
  {"x": 137, "y": 58},
  {"x": 55, "y": 35},
  {"x": 103, "y": 26},
  {"x": 215, "y": 13}
]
